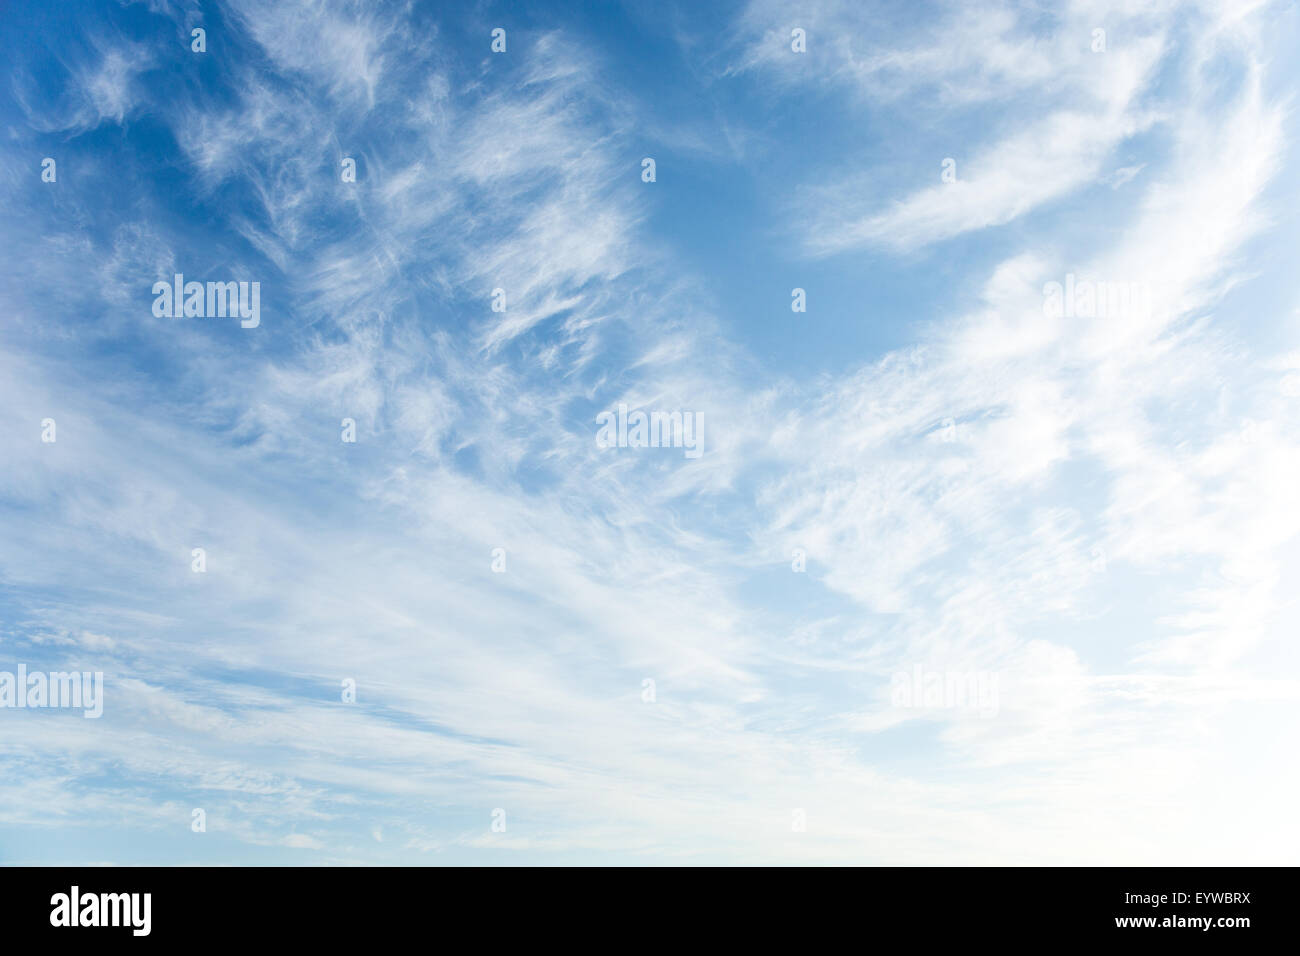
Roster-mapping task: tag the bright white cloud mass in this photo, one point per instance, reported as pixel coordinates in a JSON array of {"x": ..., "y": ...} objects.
[{"x": 988, "y": 555}]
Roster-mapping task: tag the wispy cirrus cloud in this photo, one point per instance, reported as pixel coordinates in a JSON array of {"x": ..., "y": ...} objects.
[{"x": 1095, "y": 509}]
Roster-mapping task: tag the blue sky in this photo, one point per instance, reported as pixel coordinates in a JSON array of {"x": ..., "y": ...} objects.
[{"x": 1091, "y": 517}]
